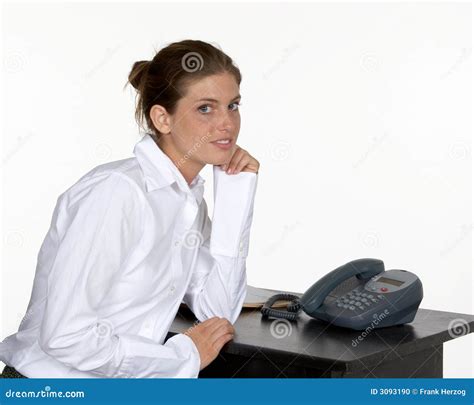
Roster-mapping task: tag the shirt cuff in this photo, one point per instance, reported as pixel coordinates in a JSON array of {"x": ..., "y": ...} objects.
[
  {"x": 186, "y": 347},
  {"x": 234, "y": 196}
]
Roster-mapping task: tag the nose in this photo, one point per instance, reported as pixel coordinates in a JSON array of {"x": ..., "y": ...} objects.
[{"x": 226, "y": 123}]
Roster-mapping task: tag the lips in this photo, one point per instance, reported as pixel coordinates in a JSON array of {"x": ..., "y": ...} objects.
[{"x": 223, "y": 143}]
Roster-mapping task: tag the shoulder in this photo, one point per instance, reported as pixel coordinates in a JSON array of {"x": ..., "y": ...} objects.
[{"x": 116, "y": 183}]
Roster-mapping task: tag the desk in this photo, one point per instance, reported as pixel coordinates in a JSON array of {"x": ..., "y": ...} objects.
[{"x": 268, "y": 348}]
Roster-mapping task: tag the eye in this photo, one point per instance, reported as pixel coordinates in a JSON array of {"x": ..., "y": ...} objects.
[
  {"x": 203, "y": 110},
  {"x": 237, "y": 104},
  {"x": 203, "y": 106}
]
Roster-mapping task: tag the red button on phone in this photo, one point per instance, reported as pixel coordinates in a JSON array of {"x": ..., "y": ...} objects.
[{"x": 384, "y": 289}]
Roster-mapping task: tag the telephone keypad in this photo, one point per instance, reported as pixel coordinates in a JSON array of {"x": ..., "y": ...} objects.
[{"x": 356, "y": 299}]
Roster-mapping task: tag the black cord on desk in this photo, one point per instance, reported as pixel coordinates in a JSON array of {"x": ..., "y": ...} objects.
[{"x": 293, "y": 307}]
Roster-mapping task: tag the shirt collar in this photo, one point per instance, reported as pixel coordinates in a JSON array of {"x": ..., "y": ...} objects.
[{"x": 160, "y": 171}]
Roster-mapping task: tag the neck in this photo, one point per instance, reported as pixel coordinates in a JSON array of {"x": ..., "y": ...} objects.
[{"x": 188, "y": 167}]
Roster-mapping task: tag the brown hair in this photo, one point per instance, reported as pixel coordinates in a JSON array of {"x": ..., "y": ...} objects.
[{"x": 164, "y": 79}]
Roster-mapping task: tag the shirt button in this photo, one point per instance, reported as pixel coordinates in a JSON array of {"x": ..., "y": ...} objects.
[
  {"x": 172, "y": 288},
  {"x": 176, "y": 243}
]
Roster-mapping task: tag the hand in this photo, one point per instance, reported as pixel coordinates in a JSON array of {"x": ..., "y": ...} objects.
[
  {"x": 241, "y": 160},
  {"x": 209, "y": 337}
]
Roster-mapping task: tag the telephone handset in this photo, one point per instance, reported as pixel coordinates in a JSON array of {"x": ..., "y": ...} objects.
[{"x": 356, "y": 295}]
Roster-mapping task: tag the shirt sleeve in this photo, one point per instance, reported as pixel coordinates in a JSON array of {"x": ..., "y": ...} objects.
[
  {"x": 96, "y": 224},
  {"x": 219, "y": 282}
]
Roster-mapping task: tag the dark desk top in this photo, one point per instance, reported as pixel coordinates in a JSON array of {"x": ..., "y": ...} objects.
[{"x": 308, "y": 341}]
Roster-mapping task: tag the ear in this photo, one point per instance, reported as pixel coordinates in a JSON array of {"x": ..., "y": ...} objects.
[{"x": 160, "y": 118}]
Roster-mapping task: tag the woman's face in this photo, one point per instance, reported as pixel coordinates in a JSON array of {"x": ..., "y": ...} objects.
[{"x": 208, "y": 112}]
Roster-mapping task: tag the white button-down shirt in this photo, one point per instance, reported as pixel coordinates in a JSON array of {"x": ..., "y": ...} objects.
[{"x": 128, "y": 242}]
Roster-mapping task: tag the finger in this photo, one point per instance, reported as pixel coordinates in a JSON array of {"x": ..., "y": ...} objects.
[
  {"x": 243, "y": 163},
  {"x": 213, "y": 327},
  {"x": 236, "y": 149},
  {"x": 236, "y": 156},
  {"x": 235, "y": 162},
  {"x": 251, "y": 168},
  {"x": 208, "y": 323},
  {"x": 223, "y": 330},
  {"x": 222, "y": 341}
]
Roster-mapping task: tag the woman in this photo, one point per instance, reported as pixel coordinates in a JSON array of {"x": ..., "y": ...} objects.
[{"x": 132, "y": 239}]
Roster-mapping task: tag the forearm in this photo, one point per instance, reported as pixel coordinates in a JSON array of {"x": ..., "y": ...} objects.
[
  {"x": 125, "y": 355},
  {"x": 218, "y": 285}
]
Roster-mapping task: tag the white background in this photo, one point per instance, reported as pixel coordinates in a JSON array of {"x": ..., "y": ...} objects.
[{"x": 360, "y": 115}]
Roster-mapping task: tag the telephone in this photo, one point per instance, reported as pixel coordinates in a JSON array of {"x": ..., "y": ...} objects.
[{"x": 356, "y": 295}]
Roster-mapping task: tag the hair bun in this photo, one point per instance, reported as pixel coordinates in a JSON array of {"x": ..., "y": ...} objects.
[{"x": 138, "y": 72}]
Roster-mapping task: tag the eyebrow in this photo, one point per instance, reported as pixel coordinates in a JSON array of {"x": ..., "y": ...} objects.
[{"x": 216, "y": 101}]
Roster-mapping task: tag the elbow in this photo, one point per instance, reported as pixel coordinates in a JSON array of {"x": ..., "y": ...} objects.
[
  {"x": 224, "y": 308},
  {"x": 58, "y": 348},
  {"x": 75, "y": 351}
]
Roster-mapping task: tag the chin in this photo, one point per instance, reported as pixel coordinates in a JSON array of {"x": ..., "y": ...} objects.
[{"x": 218, "y": 159}]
